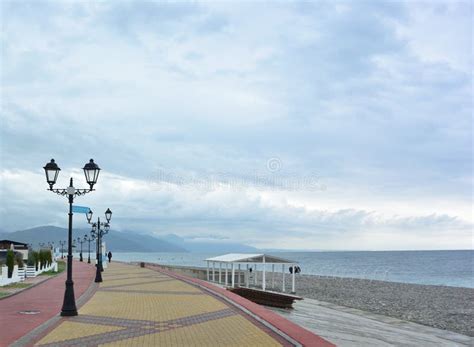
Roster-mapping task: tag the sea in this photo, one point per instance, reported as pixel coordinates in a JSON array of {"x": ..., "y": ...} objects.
[{"x": 446, "y": 268}]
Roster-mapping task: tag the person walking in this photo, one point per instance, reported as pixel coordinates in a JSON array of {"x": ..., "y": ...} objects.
[{"x": 109, "y": 255}]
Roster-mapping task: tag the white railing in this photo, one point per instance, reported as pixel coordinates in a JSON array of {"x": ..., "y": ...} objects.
[{"x": 22, "y": 273}]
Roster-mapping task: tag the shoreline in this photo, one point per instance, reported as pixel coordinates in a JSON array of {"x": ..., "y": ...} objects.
[{"x": 443, "y": 307}]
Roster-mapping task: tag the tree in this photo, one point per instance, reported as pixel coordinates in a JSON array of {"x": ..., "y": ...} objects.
[
  {"x": 10, "y": 262},
  {"x": 36, "y": 259},
  {"x": 50, "y": 257},
  {"x": 19, "y": 259},
  {"x": 31, "y": 258},
  {"x": 42, "y": 258}
]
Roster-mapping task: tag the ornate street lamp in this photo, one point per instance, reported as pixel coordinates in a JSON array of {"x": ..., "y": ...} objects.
[
  {"x": 62, "y": 243},
  {"x": 52, "y": 172},
  {"x": 108, "y": 215},
  {"x": 88, "y": 238},
  {"x": 81, "y": 241},
  {"x": 91, "y": 172},
  {"x": 98, "y": 232},
  {"x": 89, "y": 216}
]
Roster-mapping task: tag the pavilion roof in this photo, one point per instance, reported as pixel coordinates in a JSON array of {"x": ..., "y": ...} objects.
[{"x": 250, "y": 258}]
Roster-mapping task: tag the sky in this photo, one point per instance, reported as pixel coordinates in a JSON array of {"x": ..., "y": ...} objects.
[{"x": 296, "y": 125}]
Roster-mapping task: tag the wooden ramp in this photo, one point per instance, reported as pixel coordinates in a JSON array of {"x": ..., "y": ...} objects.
[
  {"x": 349, "y": 327},
  {"x": 267, "y": 298}
]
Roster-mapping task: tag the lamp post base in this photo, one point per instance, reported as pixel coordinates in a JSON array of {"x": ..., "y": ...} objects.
[
  {"x": 98, "y": 275},
  {"x": 70, "y": 313},
  {"x": 69, "y": 303}
]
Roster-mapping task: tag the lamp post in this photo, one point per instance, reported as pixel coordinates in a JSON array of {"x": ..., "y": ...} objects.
[
  {"x": 73, "y": 245},
  {"x": 98, "y": 232},
  {"x": 81, "y": 241},
  {"x": 51, "y": 248},
  {"x": 62, "y": 243},
  {"x": 88, "y": 238},
  {"x": 91, "y": 172}
]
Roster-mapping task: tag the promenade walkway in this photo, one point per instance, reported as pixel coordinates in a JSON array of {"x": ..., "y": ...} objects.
[
  {"x": 27, "y": 310},
  {"x": 143, "y": 307}
]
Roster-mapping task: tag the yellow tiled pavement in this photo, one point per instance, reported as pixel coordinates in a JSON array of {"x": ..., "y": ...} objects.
[
  {"x": 215, "y": 333},
  {"x": 164, "y": 286},
  {"x": 76, "y": 330},
  {"x": 149, "y": 306},
  {"x": 164, "y": 311}
]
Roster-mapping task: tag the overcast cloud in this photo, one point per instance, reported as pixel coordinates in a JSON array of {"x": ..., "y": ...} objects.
[{"x": 292, "y": 125}]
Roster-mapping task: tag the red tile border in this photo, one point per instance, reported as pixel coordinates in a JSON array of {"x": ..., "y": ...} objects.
[
  {"x": 294, "y": 331},
  {"x": 46, "y": 297}
]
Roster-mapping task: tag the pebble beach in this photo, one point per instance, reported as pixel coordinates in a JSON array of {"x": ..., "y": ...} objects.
[{"x": 443, "y": 307}]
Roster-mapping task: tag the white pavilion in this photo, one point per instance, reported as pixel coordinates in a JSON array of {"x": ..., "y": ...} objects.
[{"x": 233, "y": 263}]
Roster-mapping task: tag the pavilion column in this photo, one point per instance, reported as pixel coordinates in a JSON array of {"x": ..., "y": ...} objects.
[
  {"x": 273, "y": 276},
  {"x": 220, "y": 272},
  {"x": 238, "y": 278},
  {"x": 283, "y": 277},
  {"x": 233, "y": 275},
  {"x": 213, "y": 271},
  {"x": 247, "y": 279},
  {"x": 293, "y": 280},
  {"x": 226, "y": 279},
  {"x": 263, "y": 274},
  {"x": 207, "y": 271},
  {"x": 255, "y": 274}
]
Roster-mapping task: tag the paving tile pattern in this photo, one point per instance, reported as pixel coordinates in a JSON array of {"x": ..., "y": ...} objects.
[
  {"x": 46, "y": 297},
  {"x": 152, "y": 291},
  {"x": 140, "y": 307}
]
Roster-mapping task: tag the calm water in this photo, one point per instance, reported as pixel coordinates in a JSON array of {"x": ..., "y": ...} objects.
[{"x": 450, "y": 268}]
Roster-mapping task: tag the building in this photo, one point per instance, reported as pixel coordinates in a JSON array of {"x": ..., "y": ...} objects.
[{"x": 15, "y": 246}]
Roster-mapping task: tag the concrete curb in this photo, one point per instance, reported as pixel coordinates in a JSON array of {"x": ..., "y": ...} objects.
[
  {"x": 47, "y": 278},
  {"x": 26, "y": 288}
]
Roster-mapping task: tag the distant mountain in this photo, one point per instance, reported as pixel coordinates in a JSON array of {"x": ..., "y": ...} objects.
[
  {"x": 128, "y": 241},
  {"x": 147, "y": 243},
  {"x": 115, "y": 240},
  {"x": 34, "y": 236},
  {"x": 217, "y": 246}
]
